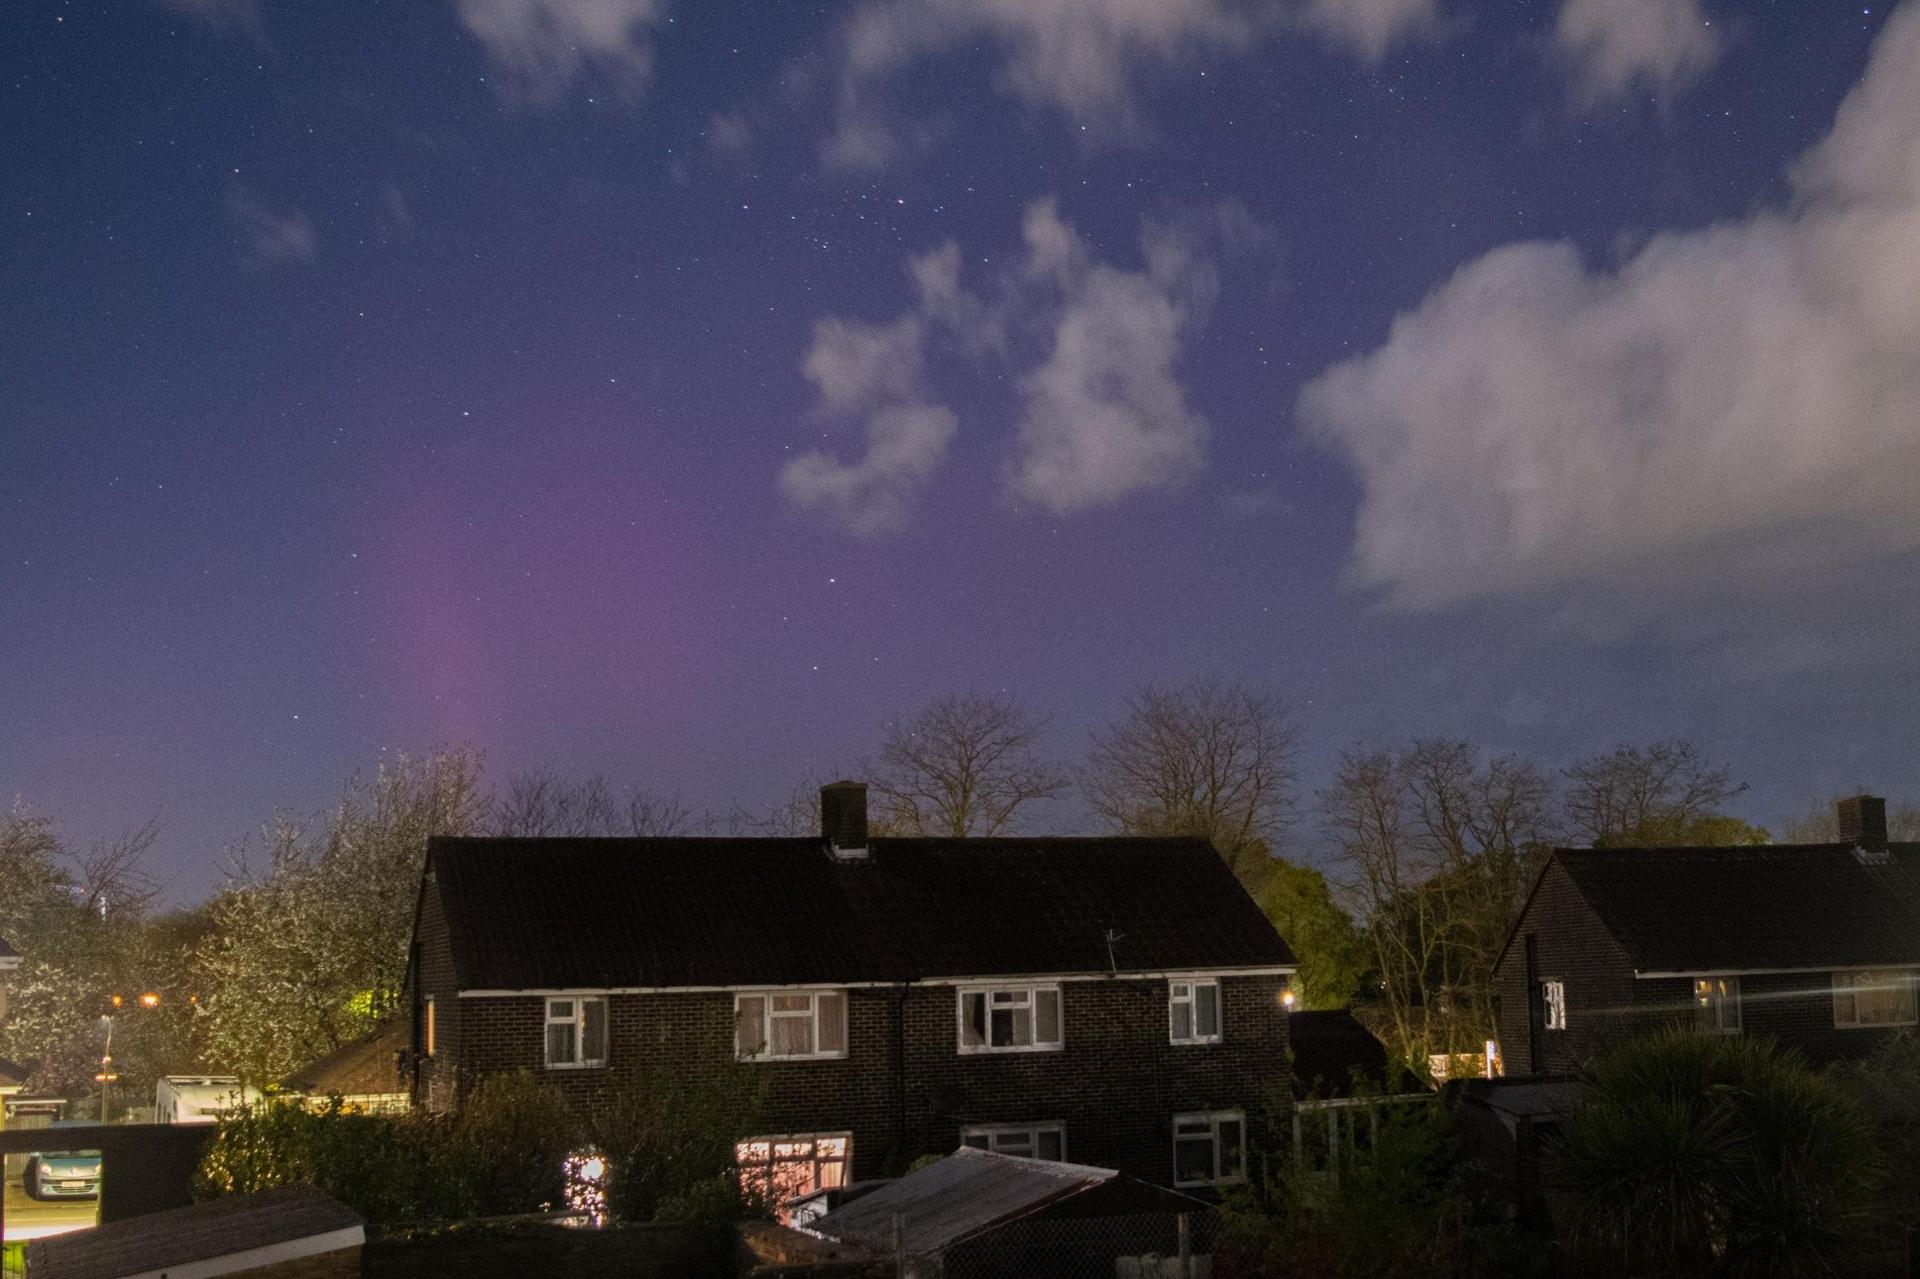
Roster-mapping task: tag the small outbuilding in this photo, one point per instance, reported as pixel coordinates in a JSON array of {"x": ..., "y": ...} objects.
[
  {"x": 276, "y": 1234},
  {"x": 981, "y": 1214},
  {"x": 364, "y": 1074}
]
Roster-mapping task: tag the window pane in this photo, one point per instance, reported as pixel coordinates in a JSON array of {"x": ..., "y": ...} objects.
[
  {"x": 1181, "y": 990},
  {"x": 1232, "y": 1154},
  {"x": 1183, "y": 1020},
  {"x": 753, "y": 1025},
  {"x": 792, "y": 1003},
  {"x": 1047, "y": 1017},
  {"x": 1206, "y": 1009},
  {"x": 1014, "y": 1143},
  {"x": 1049, "y": 1145},
  {"x": 792, "y": 1036},
  {"x": 560, "y": 1043},
  {"x": 973, "y": 1021},
  {"x": 1022, "y": 1027},
  {"x": 559, "y": 1009},
  {"x": 1002, "y": 1028},
  {"x": 978, "y": 1140},
  {"x": 1193, "y": 1159},
  {"x": 593, "y": 1032},
  {"x": 833, "y": 1022}
]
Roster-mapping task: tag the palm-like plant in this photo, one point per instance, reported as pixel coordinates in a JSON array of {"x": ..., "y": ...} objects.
[{"x": 1706, "y": 1154}]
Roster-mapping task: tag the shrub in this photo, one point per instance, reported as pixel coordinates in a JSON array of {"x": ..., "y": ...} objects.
[
  {"x": 666, "y": 1135},
  {"x": 514, "y": 1133},
  {"x": 1703, "y": 1154}
]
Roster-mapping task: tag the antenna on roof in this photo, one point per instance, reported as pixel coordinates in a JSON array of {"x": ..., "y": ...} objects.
[{"x": 1113, "y": 965}]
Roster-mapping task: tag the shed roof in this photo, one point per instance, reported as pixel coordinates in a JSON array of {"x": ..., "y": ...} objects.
[
  {"x": 366, "y": 1066},
  {"x": 150, "y": 1244},
  {"x": 1771, "y": 907},
  {"x": 953, "y": 1198},
  {"x": 534, "y": 914}
]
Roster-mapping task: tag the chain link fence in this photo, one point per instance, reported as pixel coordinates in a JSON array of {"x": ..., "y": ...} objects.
[{"x": 1147, "y": 1246}]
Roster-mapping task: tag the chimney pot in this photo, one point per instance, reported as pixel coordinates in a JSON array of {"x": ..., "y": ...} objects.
[
  {"x": 1863, "y": 821},
  {"x": 843, "y": 818}
]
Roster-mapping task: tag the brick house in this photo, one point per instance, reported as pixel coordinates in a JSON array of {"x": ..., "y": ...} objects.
[
  {"x": 1113, "y": 1001},
  {"x": 9, "y": 960},
  {"x": 1815, "y": 945}
]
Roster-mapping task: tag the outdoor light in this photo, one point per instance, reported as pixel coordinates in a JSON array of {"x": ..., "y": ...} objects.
[
  {"x": 586, "y": 1192},
  {"x": 150, "y": 1000},
  {"x": 1287, "y": 997}
]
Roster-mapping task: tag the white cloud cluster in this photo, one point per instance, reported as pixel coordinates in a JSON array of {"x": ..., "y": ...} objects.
[
  {"x": 1727, "y": 405},
  {"x": 1615, "y": 47},
  {"x": 270, "y": 234},
  {"x": 1080, "y": 56},
  {"x": 1103, "y": 415},
  {"x": 541, "y": 48}
]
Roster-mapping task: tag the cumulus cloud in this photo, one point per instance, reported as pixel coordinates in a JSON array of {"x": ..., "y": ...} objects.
[
  {"x": 1081, "y": 57},
  {"x": 905, "y": 444},
  {"x": 1726, "y": 406},
  {"x": 541, "y": 48},
  {"x": 1105, "y": 415},
  {"x": 1615, "y": 47},
  {"x": 856, "y": 366},
  {"x": 270, "y": 234}
]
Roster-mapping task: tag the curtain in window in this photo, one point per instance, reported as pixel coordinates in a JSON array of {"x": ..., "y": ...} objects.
[
  {"x": 792, "y": 1025},
  {"x": 1206, "y": 1009},
  {"x": 833, "y": 1022},
  {"x": 1046, "y": 1016},
  {"x": 593, "y": 1030},
  {"x": 752, "y": 1036},
  {"x": 973, "y": 1019}
]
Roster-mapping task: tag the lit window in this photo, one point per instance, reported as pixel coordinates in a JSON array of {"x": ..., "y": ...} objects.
[
  {"x": 1873, "y": 999},
  {"x": 784, "y": 1168},
  {"x": 1553, "y": 998},
  {"x": 1716, "y": 1002},
  {"x": 1193, "y": 1012},
  {"x": 1010, "y": 1019},
  {"x": 788, "y": 1025},
  {"x": 1209, "y": 1149},
  {"x": 426, "y": 1025},
  {"x": 576, "y": 1032},
  {"x": 1029, "y": 1141}
]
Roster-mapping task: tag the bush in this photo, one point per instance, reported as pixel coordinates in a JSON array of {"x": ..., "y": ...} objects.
[
  {"x": 669, "y": 1138},
  {"x": 514, "y": 1134},
  {"x": 1713, "y": 1154}
]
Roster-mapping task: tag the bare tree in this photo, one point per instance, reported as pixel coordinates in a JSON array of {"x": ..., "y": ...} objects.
[
  {"x": 1821, "y": 824},
  {"x": 1207, "y": 758},
  {"x": 541, "y": 803},
  {"x": 962, "y": 766},
  {"x": 112, "y": 880},
  {"x": 1644, "y": 795}
]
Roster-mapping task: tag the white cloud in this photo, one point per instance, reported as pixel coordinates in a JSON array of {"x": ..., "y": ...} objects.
[
  {"x": 271, "y": 235},
  {"x": 905, "y": 444},
  {"x": 856, "y": 366},
  {"x": 1615, "y": 47},
  {"x": 1081, "y": 57},
  {"x": 1727, "y": 407},
  {"x": 1105, "y": 414},
  {"x": 541, "y": 48}
]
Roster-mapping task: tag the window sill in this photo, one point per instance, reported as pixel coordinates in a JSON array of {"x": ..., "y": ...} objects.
[
  {"x": 576, "y": 1065},
  {"x": 767, "y": 1057},
  {"x": 1200, "y": 1039},
  {"x": 989, "y": 1051}
]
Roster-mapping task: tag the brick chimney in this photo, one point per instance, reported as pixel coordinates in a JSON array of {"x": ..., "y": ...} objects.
[
  {"x": 1863, "y": 821},
  {"x": 843, "y": 819}
]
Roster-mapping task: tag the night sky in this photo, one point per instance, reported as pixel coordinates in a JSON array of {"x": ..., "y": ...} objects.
[{"x": 676, "y": 390}]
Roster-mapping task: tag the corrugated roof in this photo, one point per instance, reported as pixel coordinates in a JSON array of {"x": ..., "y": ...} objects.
[
  {"x": 569, "y": 913},
  {"x": 1768, "y": 907},
  {"x": 179, "y": 1236},
  {"x": 956, "y": 1197}
]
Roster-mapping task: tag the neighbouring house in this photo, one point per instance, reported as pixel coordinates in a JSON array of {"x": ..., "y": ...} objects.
[
  {"x": 981, "y": 1214},
  {"x": 1111, "y": 1001},
  {"x": 366, "y": 1074},
  {"x": 1815, "y": 945},
  {"x": 290, "y": 1232}
]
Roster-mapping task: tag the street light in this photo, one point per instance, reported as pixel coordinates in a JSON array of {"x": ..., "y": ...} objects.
[{"x": 106, "y": 1077}]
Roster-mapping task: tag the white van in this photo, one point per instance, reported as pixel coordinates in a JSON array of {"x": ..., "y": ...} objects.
[{"x": 198, "y": 1099}]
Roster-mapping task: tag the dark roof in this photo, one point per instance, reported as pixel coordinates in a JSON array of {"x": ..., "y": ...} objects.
[
  {"x": 1769, "y": 907},
  {"x": 12, "y": 1074},
  {"x": 1330, "y": 1049},
  {"x": 7, "y": 951},
  {"x": 952, "y": 1198},
  {"x": 558, "y": 913},
  {"x": 365, "y": 1066},
  {"x": 179, "y": 1236}
]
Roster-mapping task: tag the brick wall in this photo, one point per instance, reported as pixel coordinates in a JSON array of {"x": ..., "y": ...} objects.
[
  {"x": 904, "y": 1090},
  {"x": 1796, "y": 1009},
  {"x": 1570, "y": 945},
  {"x": 436, "y": 1079}
]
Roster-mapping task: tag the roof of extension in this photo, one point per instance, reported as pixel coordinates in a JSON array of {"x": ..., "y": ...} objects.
[
  {"x": 554, "y": 914},
  {"x": 365, "y": 1066},
  {"x": 963, "y": 1194},
  {"x": 181, "y": 1237},
  {"x": 1773, "y": 907}
]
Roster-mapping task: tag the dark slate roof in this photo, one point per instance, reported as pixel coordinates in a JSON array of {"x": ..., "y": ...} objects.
[
  {"x": 366, "y": 1066},
  {"x": 1769, "y": 907},
  {"x": 1330, "y": 1049},
  {"x": 557, "y": 913},
  {"x": 967, "y": 1192},
  {"x": 179, "y": 1236}
]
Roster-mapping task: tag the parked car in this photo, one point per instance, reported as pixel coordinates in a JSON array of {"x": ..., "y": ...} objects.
[{"x": 63, "y": 1175}]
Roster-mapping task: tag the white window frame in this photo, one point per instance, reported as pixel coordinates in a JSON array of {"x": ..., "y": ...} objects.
[
  {"x": 1846, "y": 986},
  {"x": 1553, "y": 1003},
  {"x": 753, "y": 1169},
  {"x": 427, "y": 1026},
  {"x": 1716, "y": 1002},
  {"x": 768, "y": 1016},
  {"x": 1185, "y": 991},
  {"x": 1032, "y": 991},
  {"x": 1212, "y": 1119},
  {"x": 992, "y": 1134},
  {"x": 577, "y": 1018}
]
